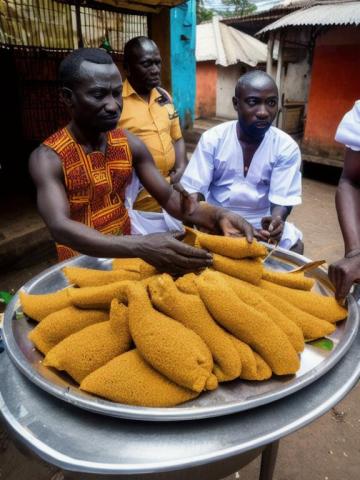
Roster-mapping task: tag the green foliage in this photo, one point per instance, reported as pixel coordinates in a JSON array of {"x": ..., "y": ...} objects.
[
  {"x": 202, "y": 13},
  {"x": 241, "y": 8}
]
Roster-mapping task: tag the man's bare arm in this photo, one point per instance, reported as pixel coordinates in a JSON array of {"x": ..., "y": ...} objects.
[
  {"x": 161, "y": 250},
  {"x": 347, "y": 270},
  {"x": 182, "y": 205},
  {"x": 181, "y": 161}
]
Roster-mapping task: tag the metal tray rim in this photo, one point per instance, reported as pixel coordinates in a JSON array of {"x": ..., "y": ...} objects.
[{"x": 106, "y": 407}]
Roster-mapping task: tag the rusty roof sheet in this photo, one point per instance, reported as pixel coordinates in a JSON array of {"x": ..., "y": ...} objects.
[
  {"x": 326, "y": 13},
  {"x": 227, "y": 46}
]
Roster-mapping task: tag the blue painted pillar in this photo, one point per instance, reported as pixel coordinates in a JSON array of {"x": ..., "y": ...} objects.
[{"x": 182, "y": 58}]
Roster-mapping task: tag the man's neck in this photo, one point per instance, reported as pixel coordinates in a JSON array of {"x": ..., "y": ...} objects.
[
  {"x": 246, "y": 139},
  {"x": 145, "y": 95},
  {"x": 90, "y": 140}
]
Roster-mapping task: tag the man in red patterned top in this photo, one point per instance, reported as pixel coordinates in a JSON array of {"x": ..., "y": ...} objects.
[{"x": 81, "y": 172}]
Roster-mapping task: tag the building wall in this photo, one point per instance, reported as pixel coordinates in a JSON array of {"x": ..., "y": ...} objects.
[
  {"x": 206, "y": 79},
  {"x": 296, "y": 76},
  {"x": 333, "y": 90},
  {"x": 183, "y": 63},
  {"x": 159, "y": 31},
  {"x": 225, "y": 89},
  {"x": 296, "y": 81}
]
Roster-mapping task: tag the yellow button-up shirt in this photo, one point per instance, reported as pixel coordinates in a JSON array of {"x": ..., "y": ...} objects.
[{"x": 158, "y": 126}]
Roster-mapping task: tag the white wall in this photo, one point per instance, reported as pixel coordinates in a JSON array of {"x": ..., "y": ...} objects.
[
  {"x": 296, "y": 81},
  {"x": 225, "y": 89}
]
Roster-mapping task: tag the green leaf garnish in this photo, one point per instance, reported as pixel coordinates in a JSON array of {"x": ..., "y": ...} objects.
[
  {"x": 5, "y": 297},
  {"x": 323, "y": 343}
]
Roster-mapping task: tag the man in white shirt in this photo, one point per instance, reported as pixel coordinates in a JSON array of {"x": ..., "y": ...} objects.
[
  {"x": 250, "y": 167},
  {"x": 346, "y": 271}
]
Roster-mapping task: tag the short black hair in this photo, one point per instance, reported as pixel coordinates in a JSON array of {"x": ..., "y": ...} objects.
[
  {"x": 250, "y": 77},
  {"x": 133, "y": 44},
  {"x": 70, "y": 67}
]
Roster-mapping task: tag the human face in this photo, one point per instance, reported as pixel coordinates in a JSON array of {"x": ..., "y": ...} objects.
[
  {"x": 256, "y": 105},
  {"x": 144, "y": 68},
  {"x": 96, "y": 99}
]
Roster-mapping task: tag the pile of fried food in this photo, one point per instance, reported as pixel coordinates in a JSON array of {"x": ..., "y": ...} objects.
[{"x": 134, "y": 336}]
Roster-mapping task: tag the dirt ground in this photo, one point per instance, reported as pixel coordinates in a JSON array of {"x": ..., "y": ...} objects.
[{"x": 328, "y": 449}]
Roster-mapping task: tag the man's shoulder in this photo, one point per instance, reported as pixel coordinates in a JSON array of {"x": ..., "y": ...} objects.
[
  {"x": 57, "y": 138},
  {"x": 282, "y": 139},
  {"x": 280, "y": 134},
  {"x": 167, "y": 98},
  {"x": 118, "y": 136},
  {"x": 218, "y": 132}
]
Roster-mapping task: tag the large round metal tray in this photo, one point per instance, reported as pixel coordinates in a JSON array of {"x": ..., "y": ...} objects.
[{"x": 230, "y": 397}]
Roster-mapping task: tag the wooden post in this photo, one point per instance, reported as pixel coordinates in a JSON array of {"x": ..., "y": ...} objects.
[
  {"x": 159, "y": 31},
  {"x": 270, "y": 48},
  {"x": 279, "y": 80},
  {"x": 78, "y": 25}
]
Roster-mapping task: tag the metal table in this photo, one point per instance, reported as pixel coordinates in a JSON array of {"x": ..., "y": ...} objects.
[{"x": 79, "y": 441}]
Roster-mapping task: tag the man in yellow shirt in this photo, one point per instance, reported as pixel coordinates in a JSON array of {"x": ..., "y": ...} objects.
[{"x": 149, "y": 113}]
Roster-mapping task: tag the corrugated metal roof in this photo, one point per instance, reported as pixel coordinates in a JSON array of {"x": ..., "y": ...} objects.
[
  {"x": 227, "y": 46},
  {"x": 276, "y": 11},
  {"x": 329, "y": 13}
]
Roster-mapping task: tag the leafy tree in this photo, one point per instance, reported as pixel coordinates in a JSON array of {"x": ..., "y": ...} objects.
[
  {"x": 240, "y": 8},
  {"x": 202, "y": 13}
]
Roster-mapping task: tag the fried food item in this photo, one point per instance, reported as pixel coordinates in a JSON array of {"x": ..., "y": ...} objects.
[
  {"x": 88, "y": 277},
  {"x": 38, "y": 307},
  {"x": 312, "y": 327},
  {"x": 233, "y": 247},
  {"x": 169, "y": 347},
  {"x": 248, "y": 294},
  {"x": 135, "y": 265},
  {"x": 246, "y": 269},
  {"x": 288, "y": 279},
  {"x": 97, "y": 297},
  {"x": 148, "y": 280},
  {"x": 129, "y": 379},
  {"x": 129, "y": 264},
  {"x": 191, "y": 312},
  {"x": 59, "y": 325},
  {"x": 187, "y": 283},
  {"x": 248, "y": 325},
  {"x": 253, "y": 366},
  {"x": 89, "y": 349},
  {"x": 313, "y": 303},
  {"x": 147, "y": 271}
]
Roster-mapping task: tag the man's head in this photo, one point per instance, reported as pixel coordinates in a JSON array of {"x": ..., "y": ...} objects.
[
  {"x": 91, "y": 88},
  {"x": 256, "y": 103},
  {"x": 142, "y": 63}
]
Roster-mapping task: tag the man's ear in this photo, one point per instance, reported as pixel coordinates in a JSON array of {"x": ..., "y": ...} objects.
[
  {"x": 66, "y": 95},
  {"x": 126, "y": 70},
  {"x": 235, "y": 103}
]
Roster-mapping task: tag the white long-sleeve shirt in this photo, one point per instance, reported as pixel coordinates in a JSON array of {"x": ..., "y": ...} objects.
[
  {"x": 216, "y": 170},
  {"x": 348, "y": 131}
]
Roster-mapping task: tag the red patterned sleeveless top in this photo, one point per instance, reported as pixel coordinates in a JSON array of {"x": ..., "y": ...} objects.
[{"x": 95, "y": 183}]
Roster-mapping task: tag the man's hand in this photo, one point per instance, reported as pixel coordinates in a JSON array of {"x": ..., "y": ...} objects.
[
  {"x": 227, "y": 223},
  {"x": 176, "y": 174},
  {"x": 271, "y": 229},
  {"x": 188, "y": 201},
  {"x": 232, "y": 225},
  {"x": 343, "y": 274},
  {"x": 167, "y": 254}
]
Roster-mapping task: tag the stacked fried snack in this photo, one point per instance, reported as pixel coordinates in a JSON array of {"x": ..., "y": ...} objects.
[{"x": 135, "y": 336}]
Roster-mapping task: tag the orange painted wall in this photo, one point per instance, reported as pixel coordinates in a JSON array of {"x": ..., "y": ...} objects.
[
  {"x": 335, "y": 85},
  {"x": 206, "y": 78}
]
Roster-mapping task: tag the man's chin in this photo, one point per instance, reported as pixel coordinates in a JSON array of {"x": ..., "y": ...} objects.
[
  {"x": 107, "y": 126},
  {"x": 154, "y": 84}
]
